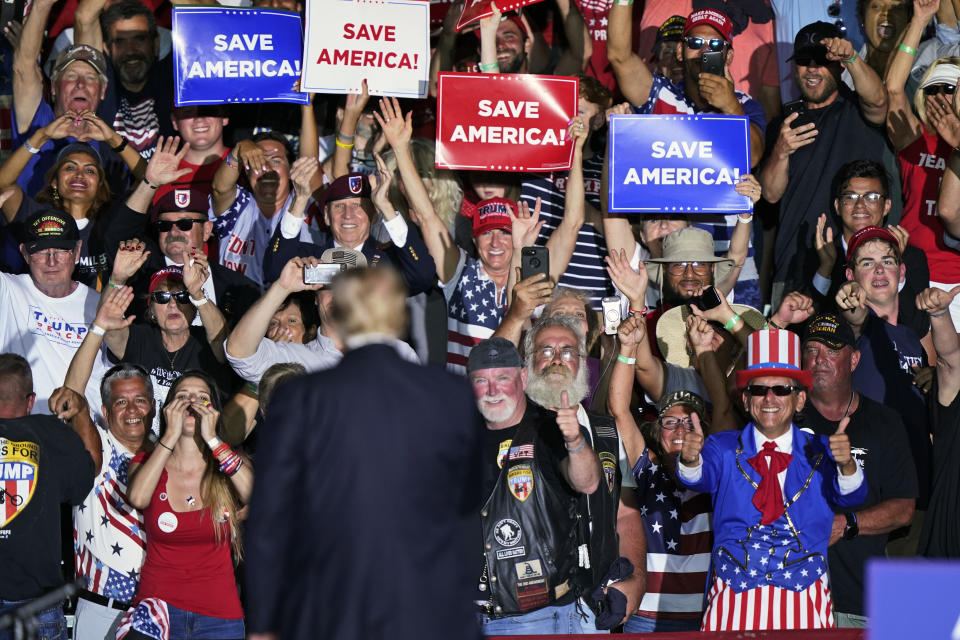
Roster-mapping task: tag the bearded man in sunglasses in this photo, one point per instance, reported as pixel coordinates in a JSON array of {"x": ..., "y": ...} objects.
[
  {"x": 774, "y": 490},
  {"x": 706, "y": 30},
  {"x": 180, "y": 221}
]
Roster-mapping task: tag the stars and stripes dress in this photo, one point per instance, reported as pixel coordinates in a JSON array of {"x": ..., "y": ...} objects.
[{"x": 474, "y": 310}]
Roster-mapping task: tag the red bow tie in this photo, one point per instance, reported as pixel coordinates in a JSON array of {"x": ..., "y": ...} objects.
[{"x": 768, "y": 498}]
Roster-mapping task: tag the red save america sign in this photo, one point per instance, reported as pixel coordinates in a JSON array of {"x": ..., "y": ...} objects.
[
  {"x": 504, "y": 122},
  {"x": 473, "y": 10}
]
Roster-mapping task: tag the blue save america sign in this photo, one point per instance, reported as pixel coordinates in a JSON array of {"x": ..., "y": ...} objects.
[
  {"x": 678, "y": 163},
  {"x": 236, "y": 55}
]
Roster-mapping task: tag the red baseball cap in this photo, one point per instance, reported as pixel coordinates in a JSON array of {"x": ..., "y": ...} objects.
[
  {"x": 712, "y": 18},
  {"x": 867, "y": 234},
  {"x": 494, "y": 213},
  {"x": 172, "y": 272}
]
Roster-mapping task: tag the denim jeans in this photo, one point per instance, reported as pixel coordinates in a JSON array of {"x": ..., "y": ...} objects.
[
  {"x": 641, "y": 624},
  {"x": 190, "y": 626},
  {"x": 561, "y": 620},
  {"x": 51, "y": 623}
]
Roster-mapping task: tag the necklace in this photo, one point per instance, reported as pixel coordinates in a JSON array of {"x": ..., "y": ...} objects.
[
  {"x": 849, "y": 404},
  {"x": 172, "y": 358}
]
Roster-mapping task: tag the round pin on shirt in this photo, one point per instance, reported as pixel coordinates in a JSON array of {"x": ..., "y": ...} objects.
[{"x": 167, "y": 522}]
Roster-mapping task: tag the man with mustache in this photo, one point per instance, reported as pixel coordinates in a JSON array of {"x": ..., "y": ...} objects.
[{"x": 541, "y": 473}]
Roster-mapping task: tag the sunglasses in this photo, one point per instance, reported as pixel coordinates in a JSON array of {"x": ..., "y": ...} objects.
[
  {"x": 713, "y": 44},
  {"x": 945, "y": 89},
  {"x": 163, "y": 297},
  {"x": 184, "y": 224},
  {"x": 811, "y": 61},
  {"x": 761, "y": 390}
]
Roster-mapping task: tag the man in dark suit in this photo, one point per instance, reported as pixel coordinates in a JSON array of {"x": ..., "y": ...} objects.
[
  {"x": 366, "y": 499},
  {"x": 350, "y": 207},
  {"x": 182, "y": 226}
]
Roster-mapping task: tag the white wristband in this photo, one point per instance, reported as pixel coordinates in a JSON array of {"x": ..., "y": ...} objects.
[
  {"x": 30, "y": 148},
  {"x": 198, "y": 303},
  {"x": 100, "y": 331},
  {"x": 747, "y": 220},
  {"x": 214, "y": 442}
]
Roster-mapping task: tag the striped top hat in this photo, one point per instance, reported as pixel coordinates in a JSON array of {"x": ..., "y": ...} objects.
[{"x": 772, "y": 352}]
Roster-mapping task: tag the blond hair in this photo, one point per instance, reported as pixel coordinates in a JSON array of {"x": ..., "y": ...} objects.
[
  {"x": 919, "y": 103},
  {"x": 369, "y": 300}
]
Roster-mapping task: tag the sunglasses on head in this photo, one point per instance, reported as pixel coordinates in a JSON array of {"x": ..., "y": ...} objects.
[
  {"x": 760, "y": 390},
  {"x": 713, "y": 44},
  {"x": 184, "y": 224},
  {"x": 945, "y": 89},
  {"x": 163, "y": 297}
]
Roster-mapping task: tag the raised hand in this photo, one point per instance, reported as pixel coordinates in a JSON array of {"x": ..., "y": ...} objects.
[
  {"x": 530, "y": 293},
  {"x": 65, "y": 403},
  {"x": 567, "y": 421},
  {"x": 526, "y": 225},
  {"x": 396, "y": 128},
  {"x": 173, "y": 415},
  {"x": 699, "y": 334},
  {"x": 291, "y": 277},
  {"x": 208, "y": 416},
  {"x": 838, "y": 49},
  {"x": 380, "y": 185},
  {"x": 692, "y": 443},
  {"x": 631, "y": 331},
  {"x": 632, "y": 284},
  {"x": 356, "y": 103},
  {"x": 96, "y": 128},
  {"x": 944, "y": 120},
  {"x": 250, "y": 156},
  {"x": 130, "y": 257},
  {"x": 748, "y": 186},
  {"x": 163, "y": 167},
  {"x": 578, "y": 130},
  {"x": 301, "y": 173},
  {"x": 110, "y": 314},
  {"x": 791, "y": 139},
  {"x": 794, "y": 309},
  {"x": 840, "y": 449},
  {"x": 826, "y": 249},
  {"x": 195, "y": 272},
  {"x": 61, "y": 127},
  {"x": 936, "y": 301},
  {"x": 902, "y": 236}
]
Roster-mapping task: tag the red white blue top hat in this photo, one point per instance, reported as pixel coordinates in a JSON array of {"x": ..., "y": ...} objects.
[{"x": 772, "y": 352}]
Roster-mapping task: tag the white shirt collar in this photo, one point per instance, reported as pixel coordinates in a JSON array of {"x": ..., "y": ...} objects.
[{"x": 784, "y": 443}]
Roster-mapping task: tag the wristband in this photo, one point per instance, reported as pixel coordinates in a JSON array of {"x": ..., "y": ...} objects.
[
  {"x": 213, "y": 442},
  {"x": 851, "y": 59},
  {"x": 907, "y": 49},
  {"x": 114, "y": 285},
  {"x": 578, "y": 449},
  {"x": 152, "y": 186},
  {"x": 642, "y": 312},
  {"x": 29, "y": 147},
  {"x": 623, "y": 3},
  {"x": 742, "y": 220},
  {"x": 160, "y": 442},
  {"x": 731, "y": 322},
  {"x": 198, "y": 303},
  {"x": 625, "y": 360},
  {"x": 342, "y": 145},
  {"x": 232, "y": 161},
  {"x": 489, "y": 66},
  {"x": 100, "y": 331},
  {"x": 770, "y": 323},
  {"x": 345, "y": 137},
  {"x": 120, "y": 147},
  {"x": 932, "y": 315}
]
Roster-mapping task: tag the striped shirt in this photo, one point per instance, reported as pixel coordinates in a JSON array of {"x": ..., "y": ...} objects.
[
  {"x": 587, "y": 269},
  {"x": 474, "y": 310},
  {"x": 679, "y": 541}
]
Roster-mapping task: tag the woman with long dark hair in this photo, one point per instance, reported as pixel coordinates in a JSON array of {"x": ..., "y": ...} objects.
[{"x": 190, "y": 489}]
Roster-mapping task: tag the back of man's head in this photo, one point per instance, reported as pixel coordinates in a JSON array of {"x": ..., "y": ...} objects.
[
  {"x": 369, "y": 300},
  {"x": 16, "y": 386}
]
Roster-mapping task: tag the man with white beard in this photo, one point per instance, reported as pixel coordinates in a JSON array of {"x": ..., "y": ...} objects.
[{"x": 544, "y": 481}]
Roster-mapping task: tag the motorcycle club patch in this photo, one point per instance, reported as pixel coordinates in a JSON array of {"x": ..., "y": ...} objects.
[
  {"x": 523, "y": 452},
  {"x": 608, "y": 462},
  {"x": 19, "y": 466},
  {"x": 520, "y": 481},
  {"x": 502, "y": 452},
  {"x": 507, "y": 532}
]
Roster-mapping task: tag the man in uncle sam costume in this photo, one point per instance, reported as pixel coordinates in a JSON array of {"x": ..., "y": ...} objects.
[{"x": 773, "y": 488}]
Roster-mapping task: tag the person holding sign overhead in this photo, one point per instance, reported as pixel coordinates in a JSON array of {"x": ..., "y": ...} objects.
[{"x": 773, "y": 488}]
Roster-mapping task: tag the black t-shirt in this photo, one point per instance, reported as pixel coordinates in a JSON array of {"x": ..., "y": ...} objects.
[
  {"x": 878, "y": 440},
  {"x": 43, "y": 463},
  {"x": 941, "y": 528},
  {"x": 844, "y": 136},
  {"x": 145, "y": 348},
  {"x": 143, "y": 116}
]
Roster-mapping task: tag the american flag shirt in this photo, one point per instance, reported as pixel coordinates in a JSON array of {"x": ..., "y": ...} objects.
[
  {"x": 108, "y": 538},
  {"x": 474, "y": 310},
  {"x": 679, "y": 541}
]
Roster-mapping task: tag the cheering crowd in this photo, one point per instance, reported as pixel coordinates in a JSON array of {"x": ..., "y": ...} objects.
[{"x": 677, "y": 421}]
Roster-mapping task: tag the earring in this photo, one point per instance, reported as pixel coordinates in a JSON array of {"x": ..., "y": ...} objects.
[{"x": 55, "y": 193}]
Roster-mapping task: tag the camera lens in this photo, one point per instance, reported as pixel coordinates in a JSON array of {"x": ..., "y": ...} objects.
[{"x": 535, "y": 262}]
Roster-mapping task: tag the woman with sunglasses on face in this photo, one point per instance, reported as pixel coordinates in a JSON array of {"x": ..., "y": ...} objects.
[
  {"x": 676, "y": 521},
  {"x": 190, "y": 489},
  {"x": 924, "y": 135},
  {"x": 167, "y": 344}
]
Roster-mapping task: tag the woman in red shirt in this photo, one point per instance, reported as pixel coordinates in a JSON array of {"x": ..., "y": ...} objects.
[{"x": 189, "y": 488}]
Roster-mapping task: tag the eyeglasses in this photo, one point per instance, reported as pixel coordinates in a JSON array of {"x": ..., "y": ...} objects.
[
  {"x": 670, "y": 423},
  {"x": 184, "y": 224},
  {"x": 699, "y": 268},
  {"x": 945, "y": 89},
  {"x": 713, "y": 44},
  {"x": 761, "y": 390},
  {"x": 58, "y": 255},
  {"x": 871, "y": 198},
  {"x": 567, "y": 354},
  {"x": 811, "y": 61},
  {"x": 163, "y": 297}
]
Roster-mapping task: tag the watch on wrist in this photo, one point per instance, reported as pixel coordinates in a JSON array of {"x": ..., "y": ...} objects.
[{"x": 852, "y": 530}]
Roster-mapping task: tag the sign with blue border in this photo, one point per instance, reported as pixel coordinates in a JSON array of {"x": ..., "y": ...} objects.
[
  {"x": 678, "y": 163},
  {"x": 223, "y": 55}
]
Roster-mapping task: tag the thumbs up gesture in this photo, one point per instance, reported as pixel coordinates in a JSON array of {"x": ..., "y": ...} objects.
[
  {"x": 692, "y": 443},
  {"x": 840, "y": 449},
  {"x": 936, "y": 301},
  {"x": 568, "y": 423}
]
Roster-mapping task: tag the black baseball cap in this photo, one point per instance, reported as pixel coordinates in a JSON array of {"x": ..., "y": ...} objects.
[
  {"x": 807, "y": 43},
  {"x": 831, "y": 330},
  {"x": 494, "y": 353},
  {"x": 50, "y": 229}
]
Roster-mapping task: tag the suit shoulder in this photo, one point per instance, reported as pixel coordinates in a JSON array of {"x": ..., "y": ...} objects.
[{"x": 231, "y": 277}]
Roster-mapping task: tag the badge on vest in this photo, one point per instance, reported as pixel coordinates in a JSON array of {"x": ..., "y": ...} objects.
[
  {"x": 523, "y": 452},
  {"x": 19, "y": 467},
  {"x": 608, "y": 462},
  {"x": 520, "y": 481},
  {"x": 502, "y": 452}
]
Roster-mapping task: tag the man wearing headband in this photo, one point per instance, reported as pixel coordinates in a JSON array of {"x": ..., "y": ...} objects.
[
  {"x": 774, "y": 489},
  {"x": 829, "y": 127}
]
